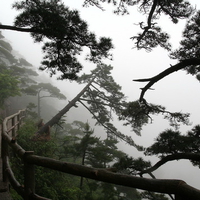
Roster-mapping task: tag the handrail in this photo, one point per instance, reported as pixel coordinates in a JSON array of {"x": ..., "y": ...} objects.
[
  {"x": 30, "y": 160},
  {"x": 10, "y": 126},
  {"x": 9, "y": 129}
]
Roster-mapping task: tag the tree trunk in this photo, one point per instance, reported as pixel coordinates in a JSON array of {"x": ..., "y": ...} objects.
[
  {"x": 58, "y": 116},
  {"x": 39, "y": 115},
  {"x": 14, "y": 28}
]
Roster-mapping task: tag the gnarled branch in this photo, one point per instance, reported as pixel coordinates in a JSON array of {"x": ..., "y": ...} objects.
[
  {"x": 177, "y": 156},
  {"x": 151, "y": 81}
]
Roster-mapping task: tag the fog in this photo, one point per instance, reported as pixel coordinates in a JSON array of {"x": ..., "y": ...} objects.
[{"x": 178, "y": 91}]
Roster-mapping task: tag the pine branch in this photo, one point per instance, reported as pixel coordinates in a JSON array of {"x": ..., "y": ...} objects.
[
  {"x": 149, "y": 24},
  {"x": 71, "y": 104},
  {"x": 181, "y": 65},
  {"x": 177, "y": 156},
  {"x": 14, "y": 28},
  {"x": 119, "y": 135},
  {"x": 93, "y": 101}
]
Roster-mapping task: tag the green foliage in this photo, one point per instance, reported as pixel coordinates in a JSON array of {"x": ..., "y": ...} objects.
[
  {"x": 30, "y": 111},
  {"x": 9, "y": 85},
  {"x": 43, "y": 90},
  {"x": 64, "y": 35},
  {"x": 7, "y": 55},
  {"x": 135, "y": 115},
  {"x": 55, "y": 185},
  {"x": 153, "y": 196},
  {"x": 18, "y": 67},
  {"x": 171, "y": 142},
  {"x": 129, "y": 165},
  {"x": 153, "y": 38},
  {"x": 49, "y": 183},
  {"x": 80, "y": 143},
  {"x": 24, "y": 62},
  {"x": 24, "y": 74},
  {"x": 78, "y": 140},
  {"x": 27, "y": 141},
  {"x": 189, "y": 45},
  {"x": 132, "y": 166},
  {"x": 104, "y": 153},
  {"x": 100, "y": 154},
  {"x": 67, "y": 34},
  {"x": 5, "y": 45},
  {"x": 168, "y": 142},
  {"x": 152, "y": 34},
  {"x": 104, "y": 99},
  {"x": 139, "y": 114},
  {"x": 46, "y": 87},
  {"x": 15, "y": 195}
]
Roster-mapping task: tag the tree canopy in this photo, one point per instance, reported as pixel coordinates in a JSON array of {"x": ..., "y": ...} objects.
[
  {"x": 152, "y": 34},
  {"x": 49, "y": 89},
  {"x": 9, "y": 85},
  {"x": 63, "y": 34},
  {"x": 103, "y": 98}
]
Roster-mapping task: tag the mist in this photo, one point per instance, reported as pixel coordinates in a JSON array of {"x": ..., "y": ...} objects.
[{"x": 177, "y": 92}]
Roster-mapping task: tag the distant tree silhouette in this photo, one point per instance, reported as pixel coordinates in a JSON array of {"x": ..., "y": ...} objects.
[{"x": 66, "y": 35}]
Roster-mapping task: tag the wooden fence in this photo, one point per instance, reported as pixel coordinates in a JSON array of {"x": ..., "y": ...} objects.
[
  {"x": 10, "y": 126},
  {"x": 8, "y": 136},
  {"x": 9, "y": 130}
]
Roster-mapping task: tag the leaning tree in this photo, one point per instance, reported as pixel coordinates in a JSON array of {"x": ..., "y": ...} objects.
[{"x": 103, "y": 98}]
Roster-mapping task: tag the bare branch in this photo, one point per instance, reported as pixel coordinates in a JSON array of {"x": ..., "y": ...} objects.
[
  {"x": 177, "y": 156},
  {"x": 14, "y": 28},
  {"x": 181, "y": 65}
]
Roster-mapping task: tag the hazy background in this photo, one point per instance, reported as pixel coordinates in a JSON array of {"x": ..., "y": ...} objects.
[{"x": 178, "y": 92}]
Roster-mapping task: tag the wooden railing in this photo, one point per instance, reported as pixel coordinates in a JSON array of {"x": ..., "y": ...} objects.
[
  {"x": 8, "y": 136},
  {"x": 10, "y": 126}
]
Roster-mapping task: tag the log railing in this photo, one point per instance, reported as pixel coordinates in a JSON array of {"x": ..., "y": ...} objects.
[
  {"x": 8, "y": 136},
  {"x": 10, "y": 126}
]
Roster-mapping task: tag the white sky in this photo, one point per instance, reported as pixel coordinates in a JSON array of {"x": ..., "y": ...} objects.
[{"x": 178, "y": 92}]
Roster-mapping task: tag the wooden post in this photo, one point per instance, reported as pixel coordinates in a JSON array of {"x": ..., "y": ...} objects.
[
  {"x": 178, "y": 197},
  {"x": 29, "y": 176},
  {"x": 4, "y": 154},
  {"x": 19, "y": 121},
  {"x": 13, "y": 125},
  {"x": 1, "y": 133}
]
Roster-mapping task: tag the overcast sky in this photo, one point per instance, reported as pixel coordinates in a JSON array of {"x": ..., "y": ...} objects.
[{"x": 178, "y": 92}]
